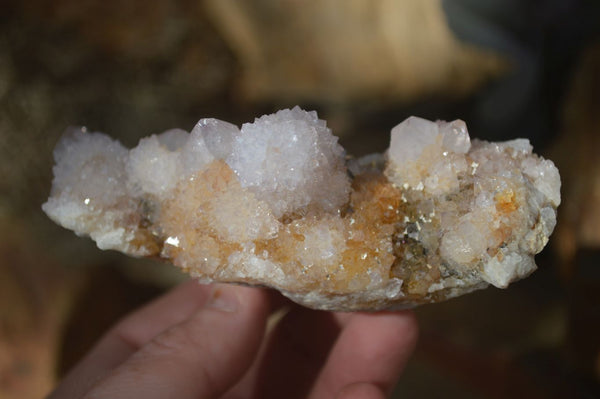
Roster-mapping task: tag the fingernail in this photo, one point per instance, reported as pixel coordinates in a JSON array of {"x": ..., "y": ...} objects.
[{"x": 223, "y": 298}]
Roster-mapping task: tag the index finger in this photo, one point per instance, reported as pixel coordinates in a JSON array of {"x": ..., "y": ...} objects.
[
  {"x": 201, "y": 357},
  {"x": 130, "y": 334}
]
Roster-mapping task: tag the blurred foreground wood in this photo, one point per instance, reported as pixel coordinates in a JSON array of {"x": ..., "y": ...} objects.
[{"x": 343, "y": 51}]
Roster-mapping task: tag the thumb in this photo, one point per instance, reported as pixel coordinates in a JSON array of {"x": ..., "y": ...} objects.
[{"x": 200, "y": 357}]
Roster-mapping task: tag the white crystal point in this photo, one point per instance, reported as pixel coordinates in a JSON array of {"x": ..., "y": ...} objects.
[
  {"x": 217, "y": 135},
  {"x": 455, "y": 137},
  {"x": 89, "y": 165},
  {"x": 410, "y": 138},
  {"x": 152, "y": 167},
  {"x": 545, "y": 178},
  {"x": 427, "y": 155},
  {"x": 291, "y": 161},
  {"x": 195, "y": 155},
  {"x": 511, "y": 267},
  {"x": 89, "y": 190},
  {"x": 173, "y": 139}
]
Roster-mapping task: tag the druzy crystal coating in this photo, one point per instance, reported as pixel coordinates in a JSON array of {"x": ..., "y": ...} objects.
[{"x": 278, "y": 203}]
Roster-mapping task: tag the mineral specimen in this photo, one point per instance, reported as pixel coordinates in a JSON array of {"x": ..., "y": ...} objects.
[{"x": 277, "y": 204}]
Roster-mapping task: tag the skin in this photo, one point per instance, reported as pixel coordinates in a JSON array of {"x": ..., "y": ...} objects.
[{"x": 211, "y": 341}]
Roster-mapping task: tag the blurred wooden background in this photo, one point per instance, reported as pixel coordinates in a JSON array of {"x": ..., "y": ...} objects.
[{"x": 508, "y": 68}]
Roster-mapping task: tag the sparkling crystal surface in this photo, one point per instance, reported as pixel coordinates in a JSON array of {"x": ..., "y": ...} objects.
[{"x": 277, "y": 204}]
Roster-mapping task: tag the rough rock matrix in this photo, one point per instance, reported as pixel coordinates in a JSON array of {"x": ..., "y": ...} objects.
[{"x": 276, "y": 204}]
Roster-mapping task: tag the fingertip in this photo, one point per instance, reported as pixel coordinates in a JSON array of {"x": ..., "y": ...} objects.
[
  {"x": 398, "y": 330},
  {"x": 408, "y": 327},
  {"x": 250, "y": 301},
  {"x": 373, "y": 348},
  {"x": 361, "y": 390}
]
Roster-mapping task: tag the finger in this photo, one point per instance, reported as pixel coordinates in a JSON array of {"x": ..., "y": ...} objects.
[
  {"x": 372, "y": 348},
  {"x": 361, "y": 390},
  {"x": 291, "y": 357},
  {"x": 130, "y": 334},
  {"x": 198, "y": 358}
]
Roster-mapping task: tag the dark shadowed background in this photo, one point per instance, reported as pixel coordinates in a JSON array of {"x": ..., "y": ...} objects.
[{"x": 132, "y": 68}]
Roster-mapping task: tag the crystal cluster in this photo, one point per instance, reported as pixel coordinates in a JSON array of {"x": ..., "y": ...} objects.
[{"x": 276, "y": 204}]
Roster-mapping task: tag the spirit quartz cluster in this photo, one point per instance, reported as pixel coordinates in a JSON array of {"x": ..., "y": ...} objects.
[{"x": 276, "y": 203}]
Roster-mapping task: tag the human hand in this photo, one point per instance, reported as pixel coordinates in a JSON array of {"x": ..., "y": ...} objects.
[{"x": 210, "y": 341}]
